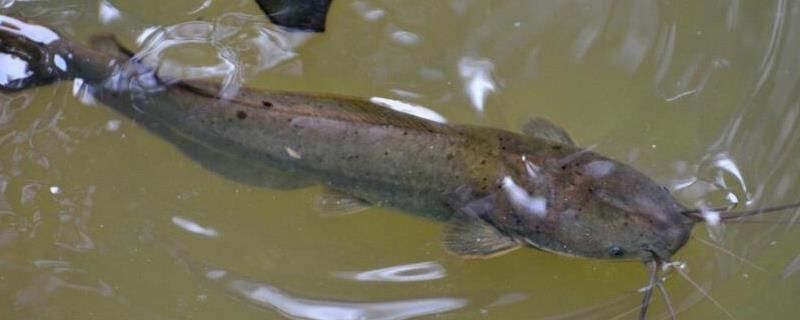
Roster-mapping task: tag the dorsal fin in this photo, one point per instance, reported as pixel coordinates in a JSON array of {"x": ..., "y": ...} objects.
[{"x": 545, "y": 129}]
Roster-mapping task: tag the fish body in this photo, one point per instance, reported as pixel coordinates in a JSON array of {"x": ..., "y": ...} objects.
[{"x": 496, "y": 190}]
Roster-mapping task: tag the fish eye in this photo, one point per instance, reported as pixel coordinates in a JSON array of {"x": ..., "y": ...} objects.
[{"x": 615, "y": 251}]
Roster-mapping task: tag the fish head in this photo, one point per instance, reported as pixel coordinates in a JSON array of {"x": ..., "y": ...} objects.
[{"x": 595, "y": 207}]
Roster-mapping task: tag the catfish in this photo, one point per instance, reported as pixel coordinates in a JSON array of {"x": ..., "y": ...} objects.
[{"x": 495, "y": 190}]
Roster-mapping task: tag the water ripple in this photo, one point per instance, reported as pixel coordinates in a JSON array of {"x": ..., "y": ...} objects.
[{"x": 298, "y": 307}]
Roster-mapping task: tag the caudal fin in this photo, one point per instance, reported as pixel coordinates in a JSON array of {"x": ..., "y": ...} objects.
[{"x": 30, "y": 55}]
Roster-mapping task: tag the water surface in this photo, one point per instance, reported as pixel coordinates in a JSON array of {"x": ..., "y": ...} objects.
[{"x": 101, "y": 220}]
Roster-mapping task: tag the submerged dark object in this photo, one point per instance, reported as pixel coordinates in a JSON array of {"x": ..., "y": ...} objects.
[{"x": 305, "y": 15}]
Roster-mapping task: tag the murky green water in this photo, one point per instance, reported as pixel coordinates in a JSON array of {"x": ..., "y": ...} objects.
[{"x": 101, "y": 220}]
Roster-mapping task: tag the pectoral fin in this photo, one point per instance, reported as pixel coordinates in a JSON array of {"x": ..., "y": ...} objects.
[
  {"x": 469, "y": 236},
  {"x": 545, "y": 129}
]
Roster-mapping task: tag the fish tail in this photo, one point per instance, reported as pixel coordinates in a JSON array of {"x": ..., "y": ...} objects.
[{"x": 31, "y": 55}]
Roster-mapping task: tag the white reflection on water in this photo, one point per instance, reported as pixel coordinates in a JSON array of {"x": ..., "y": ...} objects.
[
  {"x": 107, "y": 13},
  {"x": 478, "y": 83},
  {"x": 367, "y": 12},
  {"x": 724, "y": 162},
  {"x": 81, "y": 92},
  {"x": 422, "y": 271},
  {"x": 13, "y": 69},
  {"x": 681, "y": 95},
  {"x": 55, "y": 190},
  {"x": 194, "y": 227},
  {"x": 523, "y": 201},
  {"x": 405, "y": 37},
  {"x": 202, "y": 7},
  {"x": 303, "y": 308},
  {"x": 409, "y": 108},
  {"x": 298, "y": 307},
  {"x": 113, "y": 125},
  {"x": 33, "y": 32}
]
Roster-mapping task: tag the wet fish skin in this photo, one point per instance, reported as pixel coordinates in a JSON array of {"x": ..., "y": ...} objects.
[{"x": 496, "y": 190}]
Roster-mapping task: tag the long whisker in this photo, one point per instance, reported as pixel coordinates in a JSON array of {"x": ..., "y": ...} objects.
[
  {"x": 703, "y": 292},
  {"x": 697, "y": 211},
  {"x": 730, "y": 253},
  {"x": 667, "y": 301},
  {"x": 765, "y": 221},
  {"x": 725, "y": 214},
  {"x": 652, "y": 269},
  {"x": 741, "y": 214}
]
